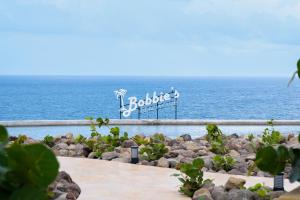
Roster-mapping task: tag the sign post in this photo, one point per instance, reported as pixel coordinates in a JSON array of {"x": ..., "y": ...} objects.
[{"x": 147, "y": 104}]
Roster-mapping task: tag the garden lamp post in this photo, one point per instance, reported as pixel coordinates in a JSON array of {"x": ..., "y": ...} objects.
[
  {"x": 134, "y": 154},
  {"x": 278, "y": 182}
]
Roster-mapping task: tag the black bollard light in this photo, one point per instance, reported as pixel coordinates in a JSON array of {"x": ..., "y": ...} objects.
[
  {"x": 278, "y": 182},
  {"x": 134, "y": 154}
]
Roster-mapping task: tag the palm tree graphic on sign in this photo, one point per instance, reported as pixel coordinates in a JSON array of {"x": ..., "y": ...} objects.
[{"x": 120, "y": 95}]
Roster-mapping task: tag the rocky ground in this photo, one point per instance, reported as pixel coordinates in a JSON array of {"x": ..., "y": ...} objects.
[
  {"x": 180, "y": 150},
  {"x": 64, "y": 188},
  {"x": 233, "y": 191},
  {"x": 183, "y": 149}
]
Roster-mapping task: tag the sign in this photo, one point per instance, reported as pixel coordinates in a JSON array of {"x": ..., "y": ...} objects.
[{"x": 135, "y": 103}]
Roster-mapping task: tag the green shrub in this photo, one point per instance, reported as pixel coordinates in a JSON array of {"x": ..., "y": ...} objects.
[
  {"x": 191, "y": 177},
  {"x": 261, "y": 190},
  {"x": 99, "y": 122},
  {"x": 48, "y": 140},
  {"x": 223, "y": 162},
  {"x": 218, "y": 148},
  {"x": 274, "y": 160},
  {"x": 216, "y": 139},
  {"x": 158, "y": 138},
  {"x": 80, "y": 139},
  {"x": 213, "y": 133},
  {"x": 296, "y": 73},
  {"x": 250, "y": 137},
  {"x": 21, "y": 139},
  {"x": 271, "y": 136},
  {"x": 153, "y": 151},
  {"x": 104, "y": 143},
  {"x": 139, "y": 140},
  {"x": 26, "y": 171}
]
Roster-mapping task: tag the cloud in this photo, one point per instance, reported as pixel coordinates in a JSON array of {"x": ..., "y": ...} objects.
[{"x": 245, "y": 8}]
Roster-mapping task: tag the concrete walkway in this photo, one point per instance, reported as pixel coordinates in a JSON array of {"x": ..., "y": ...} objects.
[{"x": 107, "y": 180}]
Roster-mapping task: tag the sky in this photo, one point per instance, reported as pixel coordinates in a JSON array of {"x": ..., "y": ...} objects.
[{"x": 149, "y": 37}]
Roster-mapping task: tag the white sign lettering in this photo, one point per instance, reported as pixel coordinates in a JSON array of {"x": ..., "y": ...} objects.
[{"x": 135, "y": 103}]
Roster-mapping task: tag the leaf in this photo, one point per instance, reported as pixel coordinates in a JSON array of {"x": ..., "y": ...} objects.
[
  {"x": 264, "y": 157},
  {"x": 299, "y": 138},
  {"x": 199, "y": 163},
  {"x": 34, "y": 164},
  {"x": 28, "y": 193},
  {"x": 3, "y": 135},
  {"x": 88, "y": 118},
  {"x": 298, "y": 68}
]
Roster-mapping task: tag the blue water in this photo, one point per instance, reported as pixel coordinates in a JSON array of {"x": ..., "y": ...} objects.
[{"x": 41, "y": 97}]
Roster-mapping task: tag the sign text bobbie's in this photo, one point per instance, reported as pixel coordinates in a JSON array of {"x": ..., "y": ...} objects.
[{"x": 135, "y": 103}]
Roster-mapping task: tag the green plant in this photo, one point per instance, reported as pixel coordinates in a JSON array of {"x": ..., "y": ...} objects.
[
  {"x": 271, "y": 136},
  {"x": 140, "y": 140},
  {"x": 104, "y": 143},
  {"x": 295, "y": 73},
  {"x": 191, "y": 177},
  {"x": 158, "y": 138},
  {"x": 26, "y": 170},
  {"x": 223, "y": 162},
  {"x": 98, "y": 122},
  {"x": 274, "y": 160},
  {"x": 261, "y": 190},
  {"x": 218, "y": 147},
  {"x": 79, "y": 139},
  {"x": 213, "y": 133},
  {"x": 48, "y": 140},
  {"x": 153, "y": 151},
  {"x": 21, "y": 139},
  {"x": 250, "y": 137},
  {"x": 216, "y": 139}
]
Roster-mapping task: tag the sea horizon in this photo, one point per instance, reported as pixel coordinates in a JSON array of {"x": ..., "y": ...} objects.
[{"x": 76, "y": 97}]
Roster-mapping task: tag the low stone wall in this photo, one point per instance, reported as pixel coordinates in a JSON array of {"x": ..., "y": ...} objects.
[{"x": 136, "y": 122}]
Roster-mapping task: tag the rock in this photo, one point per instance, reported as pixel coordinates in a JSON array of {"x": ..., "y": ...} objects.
[
  {"x": 123, "y": 159},
  {"x": 61, "y": 146},
  {"x": 163, "y": 162},
  {"x": 109, "y": 155},
  {"x": 292, "y": 195},
  {"x": 79, "y": 150},
  {"x": 218, "y": 193},
  {"x": 236, "y": 194},
  {"x": 71, "y": 147},
  {"x": 235, "y": 172},
  {"x": 234, "y": 183},
  {"x": 72, "y": 153},
  {"x": 186, "y": 160},
  {"x": 128, "y": 144},
  {"x": 234, "y": 135},
  {"x": 192, "y": 146},
  {"x": 234, "y": 153},
  {"x": 250, "y": 157},
  {"x": 276, "y": 194},
  {"x": 86, "y": 151},
  {"x": 184, "y": 153},
  {"x": 202, "y": 194},
  {"x": 69, "y": 136},
  {"x": 186, "y": 137},
  {"x": 207, "y": 162},
  {"x": 63, "y": 152},
  {"x": 64, "y": 186},
  {"x": 173, "y": 162},
  {"x": 92, "y": 155},
  {"x": 202, "y": 152},
  {"x": 145, "y": 162},
  {"x": 62, "y": 196}
]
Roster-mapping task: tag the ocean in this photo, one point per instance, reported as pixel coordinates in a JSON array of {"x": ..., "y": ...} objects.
[
  {"x": 76, "y": 97},
  {"x": 41, "y": 97}
]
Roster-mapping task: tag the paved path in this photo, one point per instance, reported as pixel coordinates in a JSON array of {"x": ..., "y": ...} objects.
[{"x": 107, "y": 180}]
